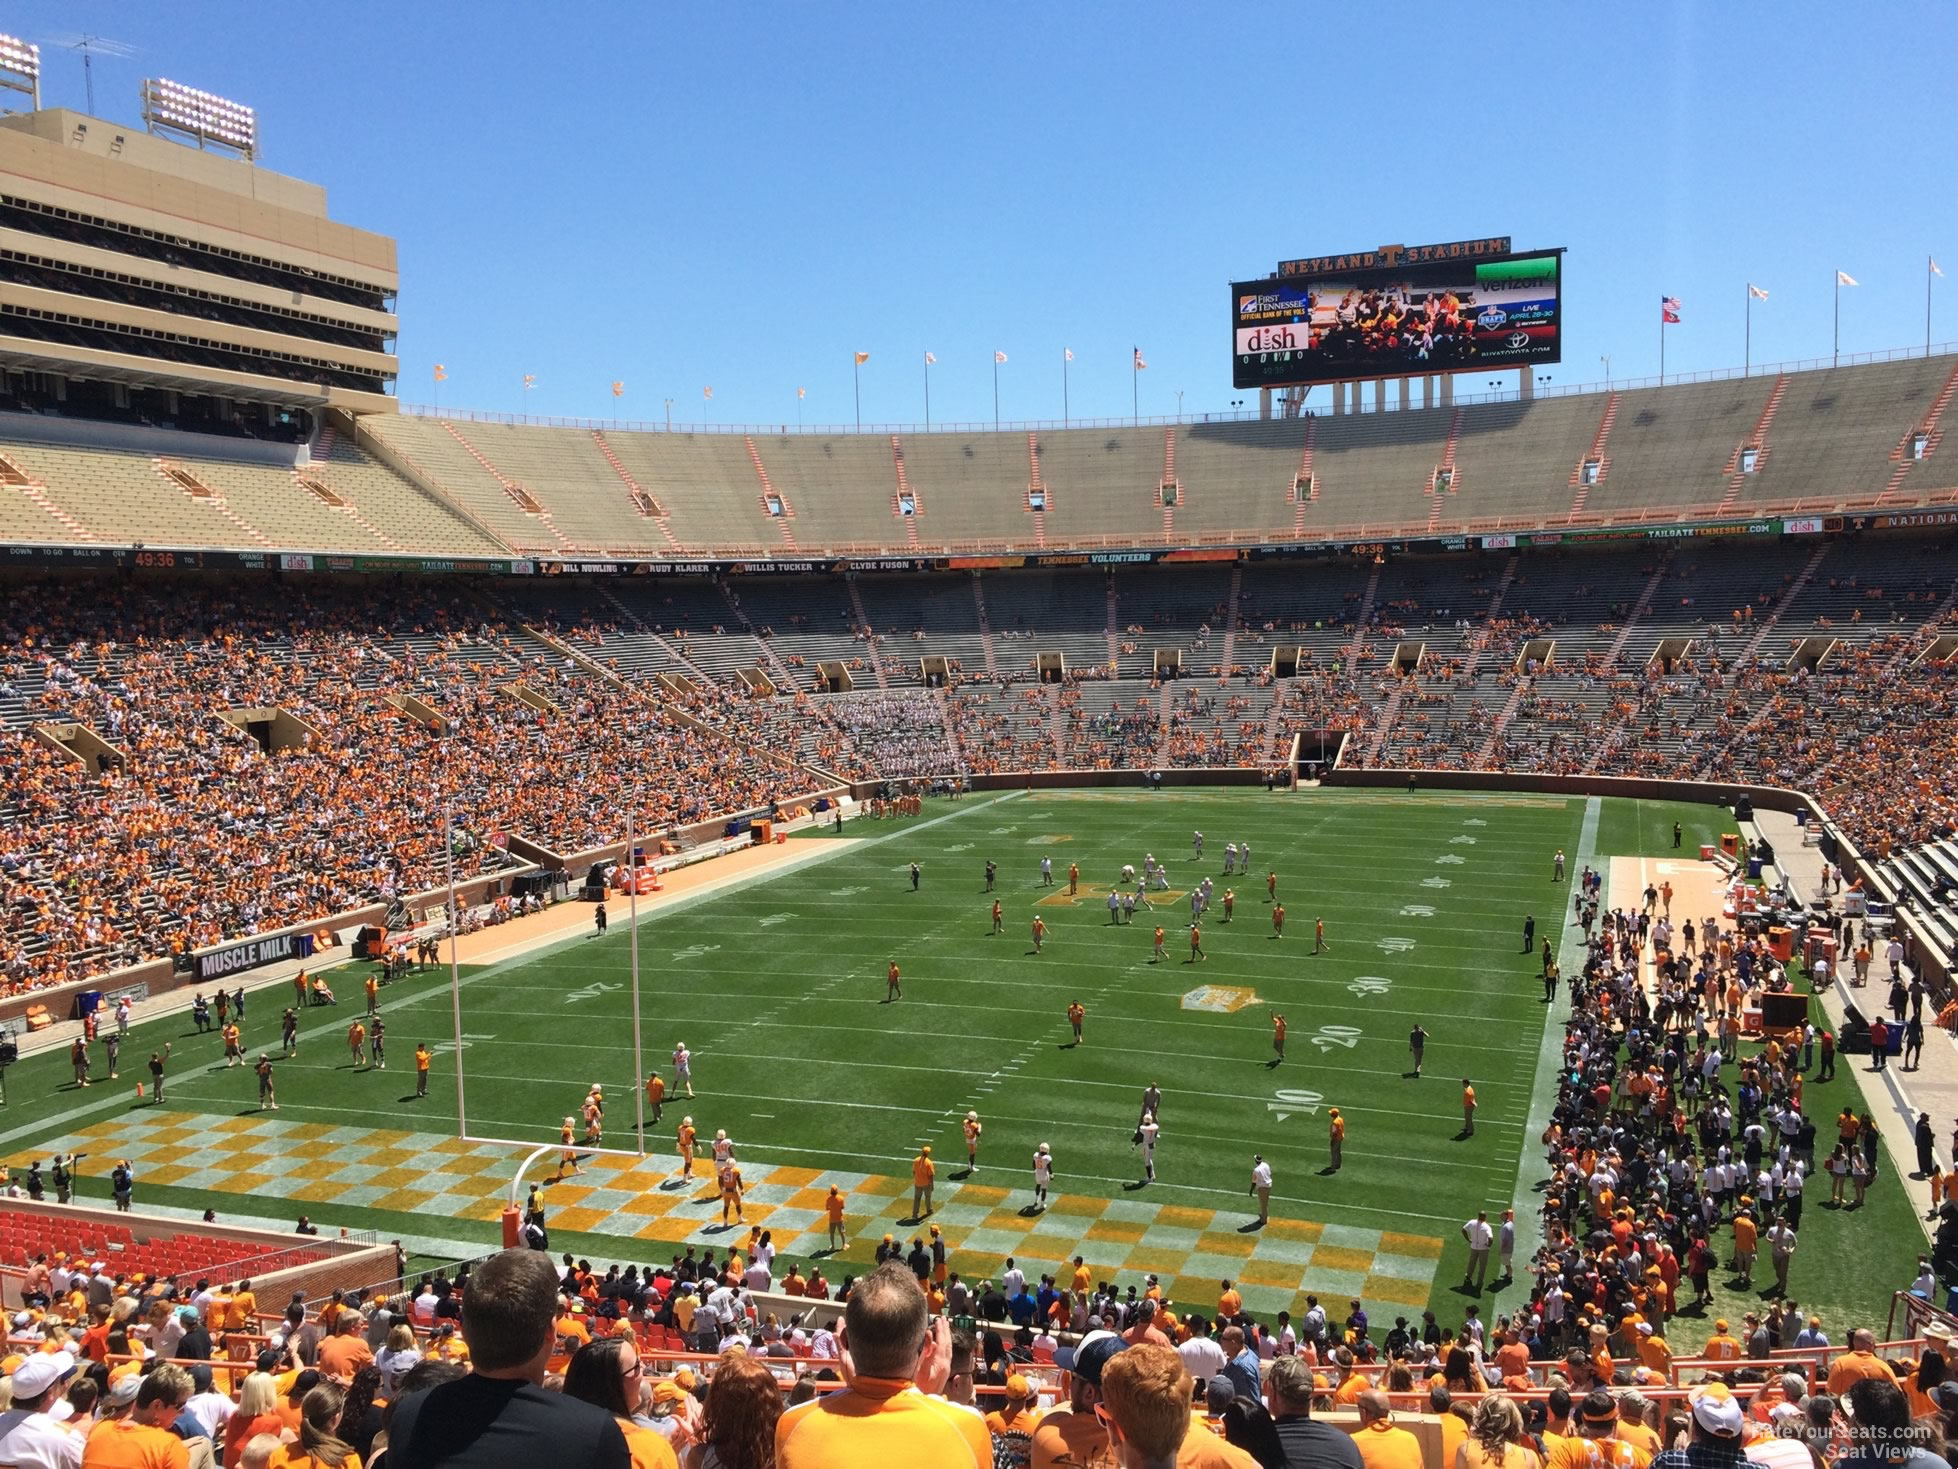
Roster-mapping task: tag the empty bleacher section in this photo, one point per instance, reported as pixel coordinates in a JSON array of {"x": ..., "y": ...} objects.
[
  {"x": 844, "y": 490},
  {"x": 1803, "y": 442},
  {"x": 1104, "y": 484},
  {"x": 1239, "y": 476},
  {"x": 186, "y": 492},
  {"x": 1673, "y": 448}
]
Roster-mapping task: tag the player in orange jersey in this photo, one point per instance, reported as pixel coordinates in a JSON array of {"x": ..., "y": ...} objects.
[
  {"x": 1076, "y": 1013},
  {"x": 1271, "y": 887},
  {"x": 999, "y": 917},
  {"x": 1278, "y": 1035},
  {"x": 1319, "y": 944},
  {"x": 892, "y": 989},
  {"x": 731, "y": 1193},
  {"x": 1468, "y": 1108},
  {"x": 1158, "y": 956},
  {"x": 684, "y": 1136},
  {"x": 234, "y": 1049},
  {"x": 1073, "y": 879},
  {"x": 1196, "y": 943},
  {"x": 568, "y": 1155},
  {"x": 973, "y": 1127},
  {"x": 1278, "y": 920},
  {"x": 1039, "y": 933}
]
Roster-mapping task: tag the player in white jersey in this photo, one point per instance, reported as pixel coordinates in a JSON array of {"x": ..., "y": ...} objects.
[
  {"x": 683, "y": 1067},
  {"x": 1128, "y": 906},
  {"x": 1043, "y": 1175},
  {"x": 1230, "y": 858},
  {"x": 1196, "y": 840},
  {"x": 1047, "y": 871},
  {"x": 723, "y": 1150},
  {"x": 1146, "y": 1134},
  {"x": 1244, "y": 858}
]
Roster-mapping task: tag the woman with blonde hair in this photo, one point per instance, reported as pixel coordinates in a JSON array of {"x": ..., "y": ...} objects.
[
  {"x": 1495, "y": 1438},
  {"x": 737, "y": 1429},
  {"x": 257, "y": 1412}
]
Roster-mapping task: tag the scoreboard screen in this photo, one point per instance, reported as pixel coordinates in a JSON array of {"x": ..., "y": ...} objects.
[{"x": 1397, "y": 321}]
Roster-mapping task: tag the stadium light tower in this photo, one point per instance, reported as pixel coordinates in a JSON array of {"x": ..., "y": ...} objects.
[
  {"x": 172, "y": 108},
  {"x": 20, "y": 68}
]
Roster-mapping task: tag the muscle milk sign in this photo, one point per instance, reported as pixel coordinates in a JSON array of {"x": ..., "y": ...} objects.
[{"x": 249, "y": 955}]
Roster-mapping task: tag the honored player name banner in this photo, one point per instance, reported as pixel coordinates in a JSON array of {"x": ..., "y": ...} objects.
[{"x": 1397, "y": 321}]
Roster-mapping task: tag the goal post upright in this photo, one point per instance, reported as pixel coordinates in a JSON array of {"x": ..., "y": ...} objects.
[{"x": 455, "y": 965}]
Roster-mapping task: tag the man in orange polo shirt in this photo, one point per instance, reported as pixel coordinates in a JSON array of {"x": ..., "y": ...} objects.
[
  {"x": 923, "y": 1172},
  {"x": 894, "y": 1354},
  {"x": 1858, "y": 1363}
]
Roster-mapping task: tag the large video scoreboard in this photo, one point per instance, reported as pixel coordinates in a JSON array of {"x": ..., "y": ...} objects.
[{"x": 1398, "y": 312}]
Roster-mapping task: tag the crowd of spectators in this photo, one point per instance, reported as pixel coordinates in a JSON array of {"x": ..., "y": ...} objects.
[
  {"x": 198, "y": 830},
  {"x": 198, "y": 827},
  {"x": 519, "y": 1359}
]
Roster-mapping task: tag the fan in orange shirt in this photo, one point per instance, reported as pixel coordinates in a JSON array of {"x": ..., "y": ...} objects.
[
  {"x": 1039, "y": 933},
  {"x": 1278, "y": 1036},
  {"x": 357, "y": 1042},
  {"x": 1278, "y": 920},
  {"x": 1076, "y": 1013}
]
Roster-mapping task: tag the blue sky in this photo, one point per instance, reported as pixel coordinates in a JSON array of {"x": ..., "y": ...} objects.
[{"x": 743, "y": 195}]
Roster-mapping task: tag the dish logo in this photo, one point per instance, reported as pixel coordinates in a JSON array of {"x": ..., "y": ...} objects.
[
  {"x": 1270, "y": 339},
  {"x": 1492, "y": 319}
]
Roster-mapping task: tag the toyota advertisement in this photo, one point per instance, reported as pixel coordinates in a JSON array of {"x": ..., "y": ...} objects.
[{"x": 1397, "y": 321}]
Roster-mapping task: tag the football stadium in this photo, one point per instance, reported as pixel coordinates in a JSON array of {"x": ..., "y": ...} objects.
[{"x": 1410, "y": 920}]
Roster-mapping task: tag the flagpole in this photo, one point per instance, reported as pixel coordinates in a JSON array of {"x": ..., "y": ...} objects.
[
  {"x": 856, "y": 386},
  {"x": 632, "y": 921},
  {"x": 1927, "y": 342},
  {"x": 1835, "y": 343},
  {"x": 1747, "y": 340},
  {"x": 927, "y": 392},
  {"x": 995, "y": 390},
  {"x": 1662, "y": 346},
  {"x": 1135, "y": 386},
  {"x": 1927, "y": 305}
]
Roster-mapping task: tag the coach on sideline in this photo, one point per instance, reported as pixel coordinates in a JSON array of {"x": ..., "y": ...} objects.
[
  {"x": 890, "y": 1347},
  {"x": 499, "y": 1416}
]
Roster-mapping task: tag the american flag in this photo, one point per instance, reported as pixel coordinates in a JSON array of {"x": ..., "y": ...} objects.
[{"x": 1669, "y": 310}]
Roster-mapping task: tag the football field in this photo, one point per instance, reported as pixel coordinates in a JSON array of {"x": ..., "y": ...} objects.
[{"x": 777, "y": 984}]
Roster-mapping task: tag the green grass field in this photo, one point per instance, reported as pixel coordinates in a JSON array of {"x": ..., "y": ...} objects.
[{"x": 777, "y": 985}]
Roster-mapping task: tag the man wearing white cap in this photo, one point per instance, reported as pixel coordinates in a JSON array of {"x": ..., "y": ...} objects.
[
  {"x": 30, "y": 1437},
  {"x": 1716, "y": 1432}
]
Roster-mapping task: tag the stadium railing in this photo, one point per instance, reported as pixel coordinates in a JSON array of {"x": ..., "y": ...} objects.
[{"x": 1460, "y": 400}]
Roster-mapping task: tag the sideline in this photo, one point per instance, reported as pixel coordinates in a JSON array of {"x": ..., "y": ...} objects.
[
  {"x": 516, "y": 956},
  {"x": 1550, "y": 1052}
]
